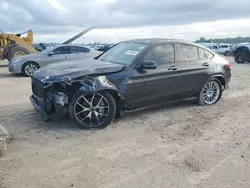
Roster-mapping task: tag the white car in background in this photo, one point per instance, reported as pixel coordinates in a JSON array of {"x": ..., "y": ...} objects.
[
  {"x": 222, "y": 48},
  {"x": 29, "y": 63},
  {"x": 225, "y": 49}
]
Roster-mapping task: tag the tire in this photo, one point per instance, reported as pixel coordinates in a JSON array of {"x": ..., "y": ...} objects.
[
  {"x": 31, "y": 66},
  {"x": 75, "y": 110},
  {"x": 227, "y": 53},
  {"x": 219, "y": 90},
  {"x": 17, "y": 51},
  {"x": 241, "y": 57}
]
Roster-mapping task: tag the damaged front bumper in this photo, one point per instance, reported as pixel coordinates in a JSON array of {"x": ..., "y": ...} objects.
[{"x": 54, "y": 104}]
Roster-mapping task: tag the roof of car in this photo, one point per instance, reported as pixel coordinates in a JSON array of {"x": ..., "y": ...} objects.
[
  {"x": 160, "y": 40},
  {"x": 157, "y": 40},
  {"x": 61, "y": 45}
]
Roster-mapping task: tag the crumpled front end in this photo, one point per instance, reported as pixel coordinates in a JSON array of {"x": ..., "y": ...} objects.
[
  {"x": 51, "y": 98},
  {"x": 48, "y": 99}
]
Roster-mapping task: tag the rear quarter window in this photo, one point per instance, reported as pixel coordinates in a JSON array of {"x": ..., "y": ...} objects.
[
  {"x": 186, "y": 53},
  {"x": 204, "y": 54}
]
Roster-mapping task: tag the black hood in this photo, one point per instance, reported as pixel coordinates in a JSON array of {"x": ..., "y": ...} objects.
[{"x": 71, "y": 69}]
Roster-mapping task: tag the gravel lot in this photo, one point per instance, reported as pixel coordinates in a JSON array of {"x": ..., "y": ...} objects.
[{"x": 178, "y": 145}]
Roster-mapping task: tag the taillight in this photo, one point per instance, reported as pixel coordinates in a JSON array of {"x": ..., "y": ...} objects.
[{"x": 227, "y": 66}]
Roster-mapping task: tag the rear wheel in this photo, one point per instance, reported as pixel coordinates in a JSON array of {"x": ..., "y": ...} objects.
[
  {"x": 29, "y": 68},
  {"x": 211, "y": 92},
  {"x": 17, "y": 51},
  {"x": 241, "y": 57},
  {"x": 93, "y": 111}
]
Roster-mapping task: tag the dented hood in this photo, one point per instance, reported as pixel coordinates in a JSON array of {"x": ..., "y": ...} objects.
[{"x": 71, "y": 69}]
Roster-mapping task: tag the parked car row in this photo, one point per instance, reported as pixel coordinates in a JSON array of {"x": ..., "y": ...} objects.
[
  {"x": 221, "y": 48},
  {"x": 241, "y": 51},
  {"x": 131, "y": 75}
]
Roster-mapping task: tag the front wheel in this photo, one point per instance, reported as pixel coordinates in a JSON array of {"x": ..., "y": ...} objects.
[
  {"x": 211, "y": 92},
  {"x": 95, "y": 110},
  {"x": 29, "y": 68}
]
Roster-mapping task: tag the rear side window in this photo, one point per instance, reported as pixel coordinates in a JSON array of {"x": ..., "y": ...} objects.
[
  {"x": 161, "y": 54},
  {"x": 78, "y": 49},
  {"x": 204, "y": 54},
  {"x": 186, "y": 52},
  {"x": 62, "y": 50}
]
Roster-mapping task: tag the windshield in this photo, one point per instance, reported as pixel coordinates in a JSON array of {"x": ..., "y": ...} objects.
[{"x": 123, "y": 53}]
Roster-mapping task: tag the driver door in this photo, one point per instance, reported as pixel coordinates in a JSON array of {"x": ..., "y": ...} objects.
[
  {"x": 153, "y": 86},
  {"x": 59, "y": 54}
]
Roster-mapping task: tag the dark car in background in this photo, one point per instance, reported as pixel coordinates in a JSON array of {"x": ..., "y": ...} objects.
[
  {"x": 132, "y": 74},
  {"x": 104, "y": 48}
]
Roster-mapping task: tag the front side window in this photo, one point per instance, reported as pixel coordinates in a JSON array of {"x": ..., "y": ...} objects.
[
  {"x": 186, "y": 52},
  {"x": 161, "y": 54},
  {"x": 123, "y": 53},
  {"x": 62, "y": 50},
  {"x": 215, "y": 47}
]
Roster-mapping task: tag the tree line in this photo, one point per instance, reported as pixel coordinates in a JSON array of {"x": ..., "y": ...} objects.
[{"x": 235, "y": 40}]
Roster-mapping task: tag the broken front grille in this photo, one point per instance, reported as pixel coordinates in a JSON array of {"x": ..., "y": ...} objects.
[{"x": 38, "y": 88}]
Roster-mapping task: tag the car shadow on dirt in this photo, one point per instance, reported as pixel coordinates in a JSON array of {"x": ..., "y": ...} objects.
[
  {"x": 188, "y": 103},
  {"x": 64, "y": 122},
  {"x": 31, "y": 121}
]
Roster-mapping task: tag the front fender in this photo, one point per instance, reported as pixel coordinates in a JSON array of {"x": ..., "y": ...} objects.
[
  {"x": 96, "y": 84},
  {"x": 91, "y": 85}
]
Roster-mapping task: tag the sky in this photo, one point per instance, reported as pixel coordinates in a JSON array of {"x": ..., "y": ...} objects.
[{"x": 117, "y": 20}]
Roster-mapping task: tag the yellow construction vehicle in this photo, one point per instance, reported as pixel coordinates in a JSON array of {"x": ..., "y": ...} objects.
[{"x": 12, "y": 45}]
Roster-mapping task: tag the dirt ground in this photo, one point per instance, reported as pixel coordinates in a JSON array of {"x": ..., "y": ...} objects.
[{"x": 178, "y": 145}]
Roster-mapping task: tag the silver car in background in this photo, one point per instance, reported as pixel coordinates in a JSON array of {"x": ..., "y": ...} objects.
[{"x": 29, "y": 63}]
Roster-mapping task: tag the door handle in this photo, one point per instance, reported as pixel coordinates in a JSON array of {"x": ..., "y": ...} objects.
[
  {"x": 172, "y": 68},
  {"x": 205, "y": 64}
]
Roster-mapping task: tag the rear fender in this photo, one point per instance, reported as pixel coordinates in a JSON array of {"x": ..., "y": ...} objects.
[{"x": 220, "y": 78}]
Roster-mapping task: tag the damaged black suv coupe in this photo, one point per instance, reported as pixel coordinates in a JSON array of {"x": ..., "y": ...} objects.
[{"x": 132, "y": 74}]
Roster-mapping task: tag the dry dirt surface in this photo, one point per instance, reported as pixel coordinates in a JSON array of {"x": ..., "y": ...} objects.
[{"x": 178, "y": 145}]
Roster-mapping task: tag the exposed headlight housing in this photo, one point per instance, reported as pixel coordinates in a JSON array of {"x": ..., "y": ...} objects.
[{"x": 103, "y": 78}]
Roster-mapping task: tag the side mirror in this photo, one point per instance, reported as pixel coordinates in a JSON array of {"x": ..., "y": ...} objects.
[
  {"x": 148, "y": 65},
  {"x": 51, "y": 53}
]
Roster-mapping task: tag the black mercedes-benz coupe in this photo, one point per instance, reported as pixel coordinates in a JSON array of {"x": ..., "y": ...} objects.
[{"x": 132, "y": 74}]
